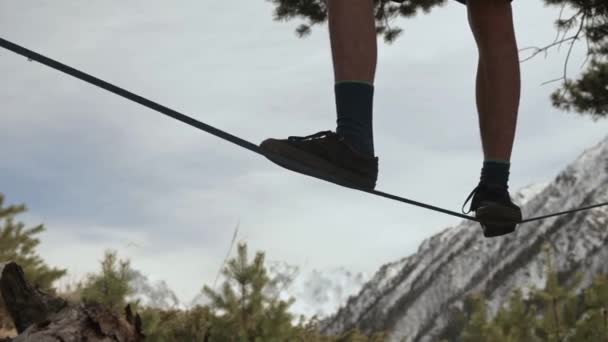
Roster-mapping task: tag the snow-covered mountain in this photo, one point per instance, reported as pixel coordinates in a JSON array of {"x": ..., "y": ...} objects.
[
  {"x": 317, "y": 293},
  {"x": 411, "y": 298}
]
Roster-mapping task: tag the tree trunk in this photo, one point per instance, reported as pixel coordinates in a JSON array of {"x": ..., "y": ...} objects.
[{"x": 42, "y": 317}]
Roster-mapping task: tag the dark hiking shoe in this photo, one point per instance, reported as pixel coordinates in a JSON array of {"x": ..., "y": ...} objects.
[
  {"x": 492, "y": 205},
  {"x": 324, "y": 155}
]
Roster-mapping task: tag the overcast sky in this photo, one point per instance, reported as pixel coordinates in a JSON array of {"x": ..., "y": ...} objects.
[{"x": 102, "y": 172}]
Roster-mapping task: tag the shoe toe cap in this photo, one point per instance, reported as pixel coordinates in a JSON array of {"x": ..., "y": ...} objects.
[
  {"x": 270, "y": 145},
  {"x": 495, "y": 230}
]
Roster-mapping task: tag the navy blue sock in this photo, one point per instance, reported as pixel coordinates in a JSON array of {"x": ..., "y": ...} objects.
[
  {"x": 354, "y": 104},
  {"x": 495, "y": 172}
]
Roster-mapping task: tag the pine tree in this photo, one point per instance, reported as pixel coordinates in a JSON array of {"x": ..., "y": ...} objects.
[
  {"x": 457, "y": 320},
  {"x": 554, "y": 313},
  {"x": 593, "y": 322},
  {"x": 514, "y": 322},
  {"x": 243, "y": 312},
  {"x": 558, "y": 303},
  {"x": 314, "y": 12},
  {"x": 18, "y": 244},
  {"x": 112, "y": 285},
  {"x": 476, "y": 328},
  {"x": 517, "y": 320},
  {"x": 588, "y": 94}
]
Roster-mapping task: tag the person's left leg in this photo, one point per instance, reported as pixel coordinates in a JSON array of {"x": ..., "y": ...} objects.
[
  {"x": 498, "y": 75},
  {"x": 497, "y": 95}
]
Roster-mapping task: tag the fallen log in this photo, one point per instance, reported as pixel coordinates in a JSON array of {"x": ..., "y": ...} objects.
[{"x": 42, "y": 317}]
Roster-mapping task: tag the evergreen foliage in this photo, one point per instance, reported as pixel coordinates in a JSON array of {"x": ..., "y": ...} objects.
[
  {"x": 589, "y": 93},
  {"x": 247, "y": 309},
  {"x": 558, "y": 312},
  {"x": 314, "y": 12},
  {"x": 18, "y": 244},
  {"x": 111, "y": 286},
  {"x": 244, "y": 309}
]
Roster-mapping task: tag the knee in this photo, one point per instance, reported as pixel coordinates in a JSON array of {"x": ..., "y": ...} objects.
[{"x": 492, "y": 23}]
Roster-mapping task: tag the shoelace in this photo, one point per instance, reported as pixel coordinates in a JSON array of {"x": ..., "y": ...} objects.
[
  {"x": 314, "y": 136},
  {"x": 468, "y": 199},
  {"x": 325, "y": 134},
  {"x": 476, "y": 190}
]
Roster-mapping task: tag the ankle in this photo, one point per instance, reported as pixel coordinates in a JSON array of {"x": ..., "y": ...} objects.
[
  {"x": 495, "y": 173},
  {"x": 354, "y": 106},
  {"x": 357, "y": 145}
]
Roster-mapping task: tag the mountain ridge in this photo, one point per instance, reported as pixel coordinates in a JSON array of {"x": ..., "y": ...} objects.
[{"x": 414, "y": 299}]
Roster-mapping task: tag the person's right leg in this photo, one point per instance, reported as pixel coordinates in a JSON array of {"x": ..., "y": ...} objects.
[
  {"x": 352, "y": 33},
  {"x": 347, "y": 156}
]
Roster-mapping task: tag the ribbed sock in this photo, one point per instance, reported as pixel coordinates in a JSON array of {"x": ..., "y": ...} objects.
[
  {"x": 354, "y": 105},
  {"x": 495, "y": 172}
]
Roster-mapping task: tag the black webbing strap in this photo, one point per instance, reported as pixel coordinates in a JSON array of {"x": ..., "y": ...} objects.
[{"x": 31, "y": 55}]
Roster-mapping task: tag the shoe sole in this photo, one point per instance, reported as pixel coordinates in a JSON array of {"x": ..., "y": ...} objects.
[
  {"x": 498, "y": 220},
  {"x": 313, "y": 166}
]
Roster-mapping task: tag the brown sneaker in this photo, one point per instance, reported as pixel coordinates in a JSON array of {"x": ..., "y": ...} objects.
[
  {"x": 492, "y": 205},
  {"x": 324, "y": 155}
]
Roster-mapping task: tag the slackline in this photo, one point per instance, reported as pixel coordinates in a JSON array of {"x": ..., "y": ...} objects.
[{"x": 31, "y": 55}]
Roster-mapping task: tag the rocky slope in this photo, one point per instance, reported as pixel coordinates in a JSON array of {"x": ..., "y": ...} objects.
[{"x": 411, "y": 298}]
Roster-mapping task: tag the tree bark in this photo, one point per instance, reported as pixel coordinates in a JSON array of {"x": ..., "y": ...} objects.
[{"x": 42, "y": 317}]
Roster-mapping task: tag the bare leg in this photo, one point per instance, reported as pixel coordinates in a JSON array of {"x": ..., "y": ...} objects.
[
  {"x": 353, "y": 39},
  {"x": 497, "y": 93},
  {"x": 352, "y": 31},
  {"x": 498, "y": 75},
  {"x": 354, "y": 53}
]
